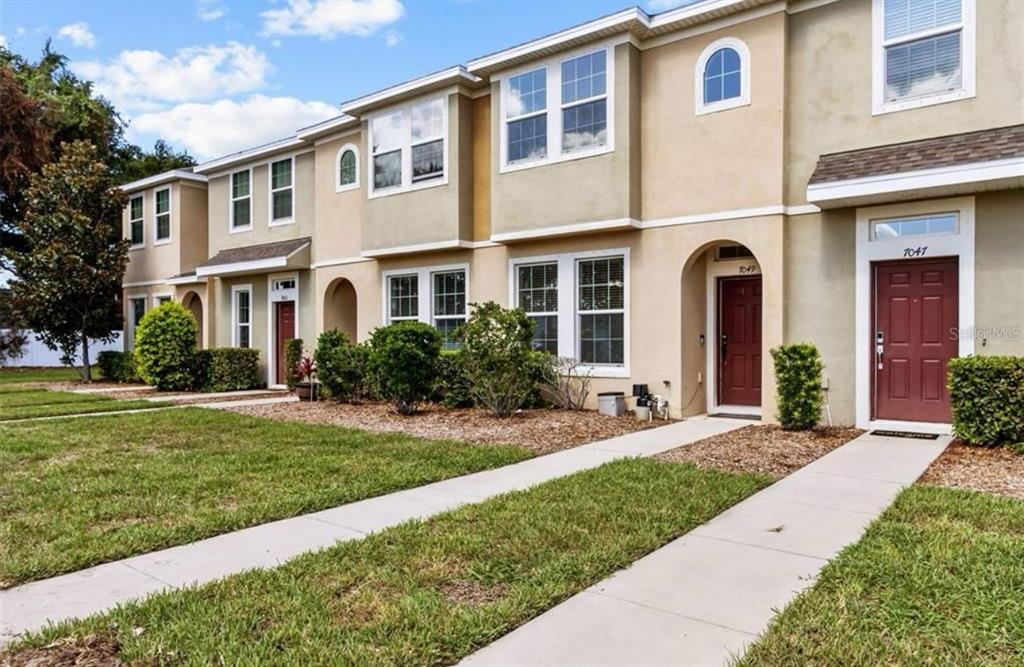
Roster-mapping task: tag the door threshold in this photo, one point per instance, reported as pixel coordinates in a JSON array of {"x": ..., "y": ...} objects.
[
  {"x": 737, "y": 415},
  {"x": 932, "y": 428}
]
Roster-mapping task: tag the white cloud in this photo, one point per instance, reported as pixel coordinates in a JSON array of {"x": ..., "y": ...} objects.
[
  {"x": 392, "y": 38},
  {"x": 142, "y": 80},
  {"x": 222, "y": 127},
  {"x": 79, "y": 34},
  {"x": 327, "y": 19},
  {"x": 210, "y": 10}
]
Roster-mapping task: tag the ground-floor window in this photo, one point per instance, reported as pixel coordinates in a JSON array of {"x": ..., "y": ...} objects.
[
  {"x": 537, "y": 294},
  {"x": 241, "y": 299},
  {"x": 404, "y": 297},
  {"x": 137, "y": 309},
  {"x": 441, "y": 301},
  {"x": 449, "y": 299},
  {"x": 601, "y": 304}
]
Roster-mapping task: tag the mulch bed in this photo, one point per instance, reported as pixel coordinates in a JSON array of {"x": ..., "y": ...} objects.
[
  {"x": 90, "y": 651},
  {"x": 541, "y": 431},
  {"x": 990, "y": 469},
  {"x": 762, "y": 448}
]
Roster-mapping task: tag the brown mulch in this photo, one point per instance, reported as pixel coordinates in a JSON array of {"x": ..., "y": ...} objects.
[
  {"x": 90, "y": 651},
  {"x": 762, "y": 448},
  {"x": 990, "y": 469},
  {"x": 541, "y": 431}
]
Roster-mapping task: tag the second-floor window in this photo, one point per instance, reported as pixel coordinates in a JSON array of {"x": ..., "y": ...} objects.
[
  {"x": 163, "y": 214},
  {"x": 348, "y": 168},
  {"x": 281, "y": 191},
  {"x": 527, "y": 116},
  {"x": 722, "y": 76},
  {"x": 584, "y": 101},
  {"x": 136, "y": 222},
  {"x": 241, "y": 200},
  {"x": 408, "y": 145}
]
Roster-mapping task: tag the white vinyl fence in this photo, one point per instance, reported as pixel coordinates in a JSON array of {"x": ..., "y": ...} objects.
[{"x": 37, "y": 354}]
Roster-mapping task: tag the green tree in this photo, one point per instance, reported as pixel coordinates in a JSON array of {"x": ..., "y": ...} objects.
[
  {"x": 134, "y": 163},
  {"x": 497, "y": 357},
  {"x": 67, "y": 287},
  {"x": 165, "y": 347}
]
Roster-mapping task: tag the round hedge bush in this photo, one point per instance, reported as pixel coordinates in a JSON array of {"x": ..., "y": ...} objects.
[
  {"x": 165, "y": 345},
  {"x": 403, "y": 363}
]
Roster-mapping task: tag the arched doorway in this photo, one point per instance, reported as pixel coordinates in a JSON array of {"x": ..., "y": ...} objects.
[
  {"x": 723, "y": 359},
  {"x": 341, "y": 308},
  {"x": 194, "y": 303}
]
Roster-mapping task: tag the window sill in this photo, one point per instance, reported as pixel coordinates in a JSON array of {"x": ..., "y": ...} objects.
[
  {"x": 917, "y": 103},
  {"x": 347, "y": 188},
  {"x": 402, "y": 189},
  {"x": 734, "y": 103},
  {"x": 563, "y": 157},
  {"x": 239, "y": 230},
  {"x": 281, "y": 223},
  {"x": 141, "y": 246},
  {"x": 604, "y": 371},
  {"x": 161, "y": 242}
]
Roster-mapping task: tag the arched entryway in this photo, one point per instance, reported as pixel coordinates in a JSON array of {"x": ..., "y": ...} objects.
[
  {"x": 722, "y": 324},
  {"x": 194, "y": 303},
  {"x": 341, "y": 308}
]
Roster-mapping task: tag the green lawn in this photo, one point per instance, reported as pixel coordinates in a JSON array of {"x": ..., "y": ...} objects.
[
  {"x": 429, "y": 592},
  {"x": 938, "y": 579},
  {"x": 24, "y": 403},
  {"x": 14, "y": 375},
  {"x": 84, "y": 491}
]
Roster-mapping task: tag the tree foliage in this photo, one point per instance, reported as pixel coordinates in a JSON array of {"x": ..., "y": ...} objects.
[
  {"x": 403, "y": 363},
  {"x": 67, "y": 287},
  {"x": 497, "y": 357}
]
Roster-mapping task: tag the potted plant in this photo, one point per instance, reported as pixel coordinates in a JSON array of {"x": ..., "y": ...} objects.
[{"x": 305, "y": 389}]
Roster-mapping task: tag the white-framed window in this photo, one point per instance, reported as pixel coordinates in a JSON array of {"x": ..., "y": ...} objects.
[
  {"x": 346, "y": 176},
  {"x": 937, "y": 224},
  {"x": 923, "y": 52},
  {"x": 408, "y": 147},
  {"x": 241, "y": 312},
  {"x": 241, "y": 200},
  {"x": 722, "y": 76},
  {"x": 282, "y": 191},
  {"x": 437, "y": 295},
  {"x": 161, "y": 299},
  {"x": 559, "y": 109},
  {"x": 537, "y": 294},
  {"x": 136, "y": 311},
  {"x": 136, "y": 221},
  {"x": 162, "y": 206},
  {"x": 580, "y": 302}
]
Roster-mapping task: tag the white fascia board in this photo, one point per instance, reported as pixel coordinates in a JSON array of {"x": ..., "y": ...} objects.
[
  {"x": 565, "y": 230},
  {"x": 160, "y": 179},
  {"x": 338, "y": 124},
  {"x": 452, "y": 75},
  {"x": 922, "y": 179},
  {"x": 420, "y": 247},
  {"x": 250, "y": 155},
  {"x": 253, "y": 266},
  {"x": 186, "y": 280}
]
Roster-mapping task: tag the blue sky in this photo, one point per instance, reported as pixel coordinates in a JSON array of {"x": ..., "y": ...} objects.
[{"x": 214, "y": 77}]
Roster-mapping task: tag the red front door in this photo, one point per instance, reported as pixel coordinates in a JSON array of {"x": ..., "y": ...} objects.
[
  {"x": 915, "y": 320},
  {"x": 739, "y": 341},
  {"x": 284, "y": 330}
]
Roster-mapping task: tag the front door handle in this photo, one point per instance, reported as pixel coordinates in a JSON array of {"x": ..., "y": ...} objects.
[
  {"x": 725, "y": 347},
  {"x": 879, "y": 350}
]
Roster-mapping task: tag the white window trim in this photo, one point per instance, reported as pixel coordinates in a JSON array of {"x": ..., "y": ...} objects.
[
  {"x": 741, "y": 48},
  {"x": 405, "y": 150},
  {"x": 280, "y": 222},
  {"x": 878, "y": 43},
  {"x": 960, "y": 245},
  {"x": 553, "y": 109},
  {"x": 338, "y": 187},
  {"x": 161, "y": 295},
  {"x": 514, "y": 295},
  {"x": 235, "y": 324},
  {"x": 141, "y": 244},
  {"x": 872, "y": 236},
  {"x": 232, "y": 199},
  {"x": 568, "y": 313},
  {"x": 170, "y": 218},
  {"x": 132, "y": 324},
  {"x": 287, "y": 295},
  {"x": 424, "y": 301}
]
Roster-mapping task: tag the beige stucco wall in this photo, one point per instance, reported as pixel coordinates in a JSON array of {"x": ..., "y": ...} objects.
[
  {"x": 482, "y": 168},
  {"x": 192, "y": 209},
  {"x": 829, "y": 86},
  {"x": 999, "y": 273},
  {"x": 187, "y": 246},
  {"x": 338, "y": 225},
  {"x": 722, "y": 161},
  {"x": 588, "y": 189},
  {"x": 434, "y": 214},
  {"x": 262, "y": 232}
]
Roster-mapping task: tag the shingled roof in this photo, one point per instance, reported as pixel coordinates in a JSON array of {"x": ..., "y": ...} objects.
[
  {"x": 253, "y": 253},
  {"x": 956, "y": 149}
]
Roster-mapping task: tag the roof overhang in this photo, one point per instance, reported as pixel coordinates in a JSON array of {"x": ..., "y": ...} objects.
[
  {"x": 453, "y": 76},
  {"x": 251, "y": 155},
  {"x": 299, "y": 258},
  {"x": 328, "y": 127},
  {"x": 160, "y": 179},
  {"x": 187, "y": 279},
  {"x": 924, "y": 183}
]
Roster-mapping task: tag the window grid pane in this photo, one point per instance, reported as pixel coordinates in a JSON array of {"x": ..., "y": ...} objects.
[
  {"x": 427, "y": 121},
  {"x": 242, "y": 212},
  {"x": 527, "y": 93},
  {"x": 136, "y": 208},
  {"x": 920, "y": 226},
  {"x": 281, "y": 174},
  {"x": 601, "y": 303},
  {"x": 449, "y": 309},
  {"x": 404, "y": 297},
  {"x": 428, "y": 161},
  {"x": 242, "y": 317},
  {"x": 528, "y": 138},
  {"x": 387, "y": 169},
  {"x": 585, "y": 125},
  {"x": 282, "y": 204},
  {"x": 584, "y": 77},
  {"x": 240, "y": 184},
  {"x": 923, "y": 67},
  {"x": 538, "y": 297},
  {"x": 905, "y": 17},
  {"x": 601, "y": 339},
  {"x": 135, "y": 221},
  {"x": 347, "y": 168},
  {"x": 722, "y": 76}
]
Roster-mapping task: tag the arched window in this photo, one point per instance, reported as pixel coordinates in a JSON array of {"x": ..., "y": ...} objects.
[
  {"x": 347, "y": 168},
  {"x": 722, "y": 76}
]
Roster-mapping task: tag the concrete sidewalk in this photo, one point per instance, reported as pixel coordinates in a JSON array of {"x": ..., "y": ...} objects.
[
  {"x": 704, "y": 597},
  {"x": 31, "y": 606}
]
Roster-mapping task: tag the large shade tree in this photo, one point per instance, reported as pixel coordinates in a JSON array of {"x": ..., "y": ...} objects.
[{"x": 67, "y": 283}]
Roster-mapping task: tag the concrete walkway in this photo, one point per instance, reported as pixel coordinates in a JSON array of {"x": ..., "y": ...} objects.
[
  {"x": 704, "y": 597},
  {"x": 31, "y": 606}
]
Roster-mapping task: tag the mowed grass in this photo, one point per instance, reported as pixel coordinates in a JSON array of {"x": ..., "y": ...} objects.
[
  {"x": 26, "y": 403},
  {"x": 938, "y": 579},
  {"x": 16, "y": 375},
  {"x": 83, "y": 491},
  {"x": 426, "y": 593}
]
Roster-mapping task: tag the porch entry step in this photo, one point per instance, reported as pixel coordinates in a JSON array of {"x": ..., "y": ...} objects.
[
  {"x": 914, "y": 435},
  {"x": 736, "y": 415}
]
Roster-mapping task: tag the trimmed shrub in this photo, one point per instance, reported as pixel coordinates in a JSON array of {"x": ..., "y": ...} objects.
[
  {"x": 117, "y": 366},
  {"x": 452, "y": 388},
  {"x": 292, "y": 357},
  {"x": 798, "y": 378},
  {"x": 227, "y": 369},
  {"x": 403, "y": 363},
  {"x": 987, "y": 394},
  {"x": 497, "y": 357},
  {"x": 165, "y": 342},
  {"x": 341, "y": 366}
]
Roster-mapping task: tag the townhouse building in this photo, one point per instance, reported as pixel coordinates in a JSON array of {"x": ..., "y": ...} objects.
[{"x": 668, "y": 196}]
